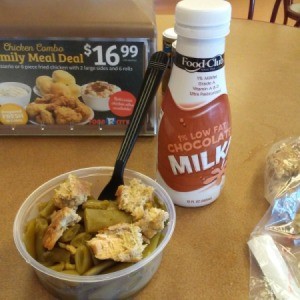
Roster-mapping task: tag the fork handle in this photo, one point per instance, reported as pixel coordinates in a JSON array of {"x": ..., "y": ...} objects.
[{"x": 156, "y": 67}]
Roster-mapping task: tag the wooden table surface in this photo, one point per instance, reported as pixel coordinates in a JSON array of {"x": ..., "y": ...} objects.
[{"x": 207, "y": 257}]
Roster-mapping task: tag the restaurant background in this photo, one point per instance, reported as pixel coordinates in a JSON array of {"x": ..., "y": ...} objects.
[
  {"x": 262, "y": 10},
  {"x": 212, "y": 241}
]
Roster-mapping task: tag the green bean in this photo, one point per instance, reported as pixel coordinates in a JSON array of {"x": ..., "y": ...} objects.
[
  {"x": 71, "y": 272},
  {"x": 70, "y": 233},
  {"x": 47, "y": 211},
  {"x": 71, "y": 255},
  {"x": 29, "y": 238},
  {"x": 83, "y": 259},
  {"x": 41, "y": 205},
  {"x": 89, "y": 198},
  {"x": 161, "y": 238},
  {"x": 57, "y": 255},
  {"x": 118, "y": 267},
  {"x": 159, "y": 204},
  {"x": 41, "y": 225},
  {"x": 96, "y": 204},
  {"x": 99, "y": 268},
  {"x": 68, "y": 247},
  {"x": 152, "y": 246},
  {"x": 97, "y": 219},
  {"x": 80, "y": 212},
  {"x": 80, "y": 239},
  {"x": 69, "y": 266},
  {"x": 58, "y": 267}
]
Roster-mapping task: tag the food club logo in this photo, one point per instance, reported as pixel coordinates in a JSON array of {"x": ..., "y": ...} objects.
[{"x": 193, "y": 65}]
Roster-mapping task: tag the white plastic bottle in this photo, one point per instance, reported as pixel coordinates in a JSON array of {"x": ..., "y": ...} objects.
[{"x": 194, "y": 125}]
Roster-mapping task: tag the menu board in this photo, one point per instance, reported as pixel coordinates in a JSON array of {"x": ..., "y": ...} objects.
[{"x": 71, "y": 86}]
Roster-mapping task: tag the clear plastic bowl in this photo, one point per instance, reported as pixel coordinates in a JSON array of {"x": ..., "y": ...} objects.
[{"x": 117, "y": 285}]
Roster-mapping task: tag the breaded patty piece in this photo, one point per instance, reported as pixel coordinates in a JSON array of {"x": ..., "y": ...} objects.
[
  {"x": 152, "y": 222},
  {"x": 45, "y": 117},
  {"x": 72, "y": 192},
  {"x": 121, "y": 242},
  {"x": 66, "y": 115},
  {"x": 135, "y": 198},
  {"x": 60, "y": 221}
]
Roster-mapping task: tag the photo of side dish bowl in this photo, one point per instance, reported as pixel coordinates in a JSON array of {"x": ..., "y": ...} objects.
[
  {"x": 96, "y": 94},
  {"x": 118, "y": 284},
  {"x": 15, "y": 93}
]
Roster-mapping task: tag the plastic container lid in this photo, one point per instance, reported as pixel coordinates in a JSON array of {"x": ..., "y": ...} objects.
[
  {"x": 170, "y": 34},
  {"x": 202, "y": 19}
]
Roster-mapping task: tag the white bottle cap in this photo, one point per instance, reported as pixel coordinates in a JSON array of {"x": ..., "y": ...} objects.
[
  {"x": 202, "y": 19},
  {"x": 170, "y": 34}
]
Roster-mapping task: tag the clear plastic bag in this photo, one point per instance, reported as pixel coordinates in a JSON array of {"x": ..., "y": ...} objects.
[
  {"x": 275, "y": 242},
  {"x": 282, "y": 165}
]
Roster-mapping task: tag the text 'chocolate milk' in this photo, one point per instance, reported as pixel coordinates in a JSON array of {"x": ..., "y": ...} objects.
[{"x": 194, "y": 125}]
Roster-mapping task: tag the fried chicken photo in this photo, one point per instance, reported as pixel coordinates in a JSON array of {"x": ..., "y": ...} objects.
[
  {"x": 83, "y": 109},
  {"x": 33, "y": 109},
  {"x": 66, "y": 115},
  {"x": 58, "y": 109},
  {"x": 45, "y": 117}
]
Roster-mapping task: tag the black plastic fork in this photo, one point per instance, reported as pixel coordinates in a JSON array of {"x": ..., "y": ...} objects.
[{"x": 156, "y": 67}]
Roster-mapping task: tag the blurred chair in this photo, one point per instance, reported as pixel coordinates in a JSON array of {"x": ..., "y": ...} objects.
[
  {"x": 251, "y": 9},
  {"x": 291, "y": 10}
]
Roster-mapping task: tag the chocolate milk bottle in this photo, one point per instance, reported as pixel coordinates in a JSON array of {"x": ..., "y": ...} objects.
[{"x": 194, "y": 124}]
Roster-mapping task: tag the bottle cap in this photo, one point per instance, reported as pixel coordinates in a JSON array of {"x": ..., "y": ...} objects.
[
  {"x": 170, "y": 34},
  {"x": 202, "y": 19}
]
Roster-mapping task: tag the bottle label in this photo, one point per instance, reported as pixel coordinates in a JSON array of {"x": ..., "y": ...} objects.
[
  {"x": 193, "y": 144},
  {"x": 201, "y": 80}
]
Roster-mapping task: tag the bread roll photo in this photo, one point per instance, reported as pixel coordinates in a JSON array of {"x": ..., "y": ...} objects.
[
  {"x": 63, "y": 77},
  {"x": 44, "y": 83}
]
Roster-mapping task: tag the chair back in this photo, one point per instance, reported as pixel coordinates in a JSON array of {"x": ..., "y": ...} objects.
[
  {"x": 251, "y": 9},
  {"x": 290, "y": 10}
]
